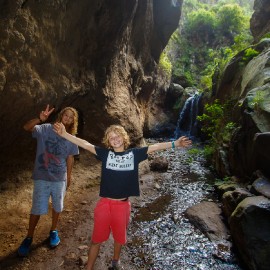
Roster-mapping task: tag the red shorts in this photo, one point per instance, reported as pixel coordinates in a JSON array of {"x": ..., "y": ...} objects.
[{"x": 111, "y": 216}]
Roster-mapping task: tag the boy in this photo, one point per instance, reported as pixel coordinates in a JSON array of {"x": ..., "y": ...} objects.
[
  {"x": 52, "y": 171},
  {"x": 119, "y": 181}
]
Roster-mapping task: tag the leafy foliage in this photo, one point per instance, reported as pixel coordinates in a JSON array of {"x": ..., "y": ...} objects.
[
  {"x": 216, "y": 122},
  {"x": 200, "y": 26},
  {"x": 209, "y": 35},
  {"x": 257, "y": 100},
  {"x": 165, "y": 64},
  {"x": 249, "y": 54},
  {"x": 231, "y": 21},
  {"x": 211, "y": 118}
]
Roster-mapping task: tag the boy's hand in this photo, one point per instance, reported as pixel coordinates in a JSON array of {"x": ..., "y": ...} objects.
[
  {"x": 183, "y": 142},
  {"x": 59, "y": 128}
]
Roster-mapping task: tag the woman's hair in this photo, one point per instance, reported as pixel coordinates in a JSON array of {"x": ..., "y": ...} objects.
[
  {"x": 119, "y": 130},
  {"x": 72, "y": 129}
]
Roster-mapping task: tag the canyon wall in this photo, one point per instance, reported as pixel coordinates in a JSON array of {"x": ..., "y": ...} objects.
[{"x": 98, "y": 56}]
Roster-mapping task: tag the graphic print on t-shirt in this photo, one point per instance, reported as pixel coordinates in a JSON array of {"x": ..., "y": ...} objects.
[
  {"x": 120, "y": 162},
  {"x": 49, "y": 159}
]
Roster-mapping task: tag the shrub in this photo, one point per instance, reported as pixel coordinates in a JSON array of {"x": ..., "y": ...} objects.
[
  {"x": 249, "y": 54},
  {"x": 165, "y": 64}
]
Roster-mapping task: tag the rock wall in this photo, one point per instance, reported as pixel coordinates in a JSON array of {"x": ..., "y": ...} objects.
[
  {"x": 260, "y": 23},
  {"x": 245, "y": 84},
  {"x": 98, "y": 56},
  {"x": 245, "y": 201}
]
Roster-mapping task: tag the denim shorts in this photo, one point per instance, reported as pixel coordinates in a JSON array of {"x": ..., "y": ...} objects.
[{"x": 42, "y": 192}]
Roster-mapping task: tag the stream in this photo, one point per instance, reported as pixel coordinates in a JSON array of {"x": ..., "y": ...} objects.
[{"x": 162, "y": 238}]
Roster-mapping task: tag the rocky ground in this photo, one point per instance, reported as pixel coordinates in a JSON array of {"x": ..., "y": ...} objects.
[{"x": 75, "y": 225}]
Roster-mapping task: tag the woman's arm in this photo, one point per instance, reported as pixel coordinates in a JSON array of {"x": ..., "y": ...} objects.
[
  {"x": 180, "y": 142},
  {"x": 59, "y": 128}
]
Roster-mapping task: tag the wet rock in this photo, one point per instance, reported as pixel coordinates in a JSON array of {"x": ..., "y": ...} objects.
[
  {"x": 261, "y": 186},
  {"x": 231, "y": 199},
  {"x": 207, "y": 217},
  {"x": 222, "y": 187},
  {"x": 249, "y": 225},
  {"x": 223, "y": 252}
]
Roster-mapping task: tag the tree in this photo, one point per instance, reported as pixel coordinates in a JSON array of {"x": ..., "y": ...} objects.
[
  {"x": 200, "y": 27},
  {"x": 230, "y": 22},
  {"x": 210, "y": 33}
]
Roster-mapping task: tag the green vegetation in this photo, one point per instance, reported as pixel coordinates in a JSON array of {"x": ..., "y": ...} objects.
[
  {"x": 249, "y": 54},
  {"x": 266, "y": 36},
  {"x": 165, "y": 64},
  {"x": 209, "y": 35},
  {"x": 257, "y": 100},
  {"x": 217, "y": 125},
  {"x": 212, "y": 119}
]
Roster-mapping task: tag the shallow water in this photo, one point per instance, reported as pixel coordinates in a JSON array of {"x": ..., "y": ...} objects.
[{"x": 162, "y": 238}]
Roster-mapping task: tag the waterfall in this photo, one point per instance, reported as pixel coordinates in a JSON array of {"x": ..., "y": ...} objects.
[{"x": 187, "y": 124}]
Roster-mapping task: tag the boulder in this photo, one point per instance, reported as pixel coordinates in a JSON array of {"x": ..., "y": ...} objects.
[
  {"x": 249, "y": 226},
  {"x": 207, "y": 216},
  {"x": 231, "y": 199},
  {"x": 261, "y": 186},
  {"x": 159, "y": 164}
]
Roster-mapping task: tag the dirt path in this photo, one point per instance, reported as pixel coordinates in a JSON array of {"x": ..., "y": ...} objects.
[{"x": 75, "y": 226}]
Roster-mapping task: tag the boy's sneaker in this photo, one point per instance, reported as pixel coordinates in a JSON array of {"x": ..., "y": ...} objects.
[
  {"x": 116, "y": 265},
  {"x": 24, "y": 248},
  {"x": 54, "y": 238}
]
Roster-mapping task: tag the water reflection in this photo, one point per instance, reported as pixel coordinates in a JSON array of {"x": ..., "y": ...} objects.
[{"x": 162, "y": 238}]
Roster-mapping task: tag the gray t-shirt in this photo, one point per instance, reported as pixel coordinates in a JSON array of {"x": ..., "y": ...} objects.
[{"x": 52, "y": 153}]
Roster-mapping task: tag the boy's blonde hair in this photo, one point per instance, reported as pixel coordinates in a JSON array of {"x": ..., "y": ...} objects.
[
  {"x": 119, "y": 130},
  {"x": 72, "y": 129}
]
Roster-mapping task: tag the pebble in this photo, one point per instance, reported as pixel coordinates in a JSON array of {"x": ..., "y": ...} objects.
[
  {"x": 83, "y": 260},
  {"x": 170, "y": 241}
]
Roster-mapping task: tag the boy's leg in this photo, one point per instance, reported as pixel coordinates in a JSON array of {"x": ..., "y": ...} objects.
[
  {"x": 58, "y": 190},
  {"x": 120, "y": 213},
  {"x": 55, "y": 218},
  {"x": 39, "y": 207},
  {"x": 33, "y": 221},
  {"x": 116, "y": 251},
  {"x": 92, "y": 255},
  {"x": 101, "y": 230}
]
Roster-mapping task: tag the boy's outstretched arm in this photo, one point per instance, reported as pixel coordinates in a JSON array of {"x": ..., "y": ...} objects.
[
  {"x": 180, "y": 142},
  {"x": 59, "y": 128}
]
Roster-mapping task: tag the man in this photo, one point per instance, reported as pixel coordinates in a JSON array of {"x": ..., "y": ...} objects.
[{"x": 52, "y": 171}]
